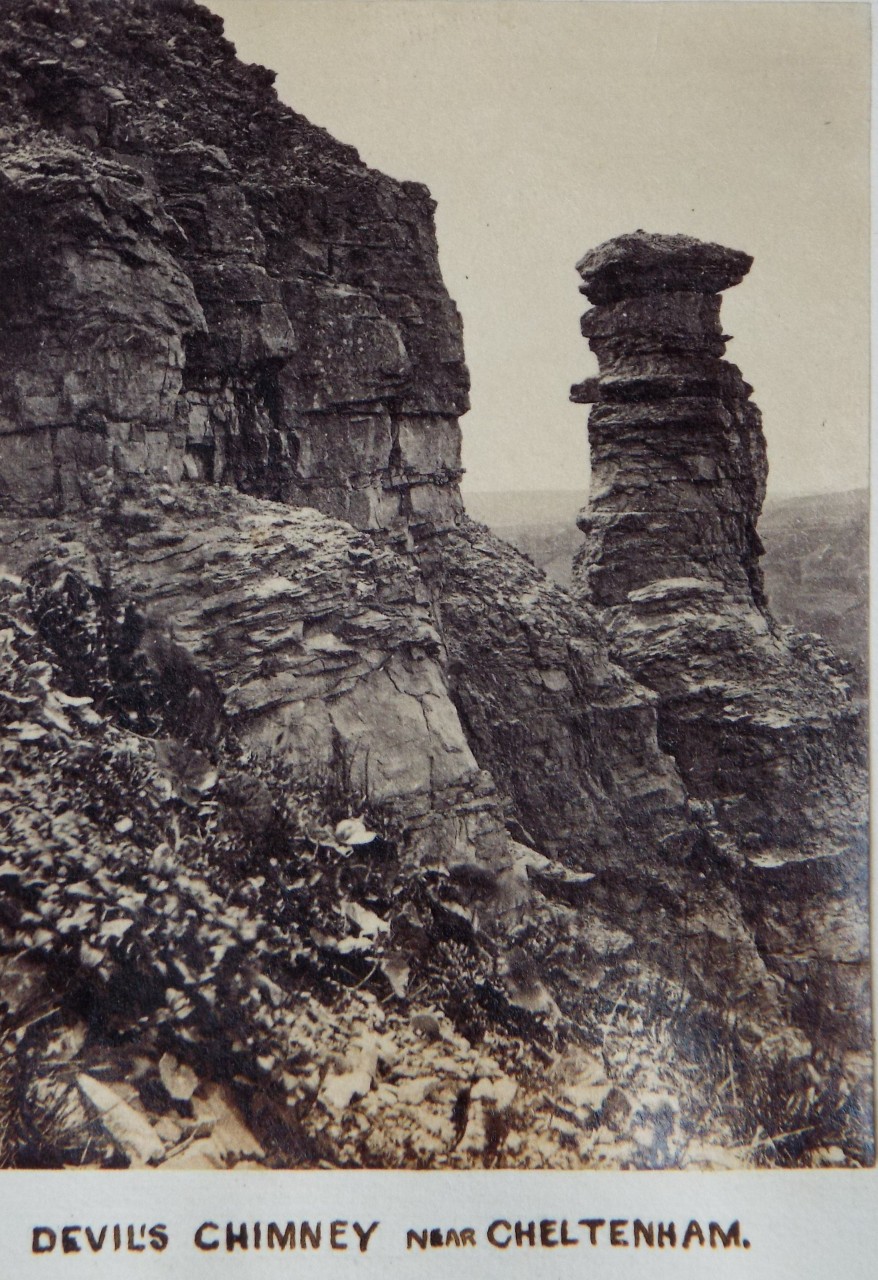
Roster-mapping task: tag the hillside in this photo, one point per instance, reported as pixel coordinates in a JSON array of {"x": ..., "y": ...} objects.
[
  {"x": 817, "y": 569},
  {"x": 335, "y": 834}
]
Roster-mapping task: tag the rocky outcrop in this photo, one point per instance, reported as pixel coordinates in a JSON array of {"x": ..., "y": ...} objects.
[
  {"x": 567, "y": 734},
  {"x": 314, "y": 644},
  {"x": 761, "y": 722},
  {"x": 245, "y": 618},
  {"x": 571, "y": 740},
  {"x": 678, "y": 456},
  {"x": 248, "y": 306},
  {"x": 218, "y": 309}
]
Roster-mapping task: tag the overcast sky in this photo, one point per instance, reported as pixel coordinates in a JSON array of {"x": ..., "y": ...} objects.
[{"x": 544, "y": 127}]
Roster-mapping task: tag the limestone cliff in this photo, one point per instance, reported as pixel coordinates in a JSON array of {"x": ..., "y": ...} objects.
[
  {"x": 225, "y": 292},
  {"x": 244, "y": 618},
  {"x": 209, "y": 291}
]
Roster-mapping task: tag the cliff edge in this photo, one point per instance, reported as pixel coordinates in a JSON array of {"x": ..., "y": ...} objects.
[{"x": 337, "y": 835}]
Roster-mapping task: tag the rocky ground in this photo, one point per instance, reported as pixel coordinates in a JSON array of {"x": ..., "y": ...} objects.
[
  {"x": 200, "y": 972},
  {"x": 334, "y": 833}
]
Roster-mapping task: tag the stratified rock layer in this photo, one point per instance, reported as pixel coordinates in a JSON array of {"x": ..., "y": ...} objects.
[
  {"x": 316, "y": 644},
  {"x": 677, "y": 450},
  {"x": 761, "y": 722},
  {"x": 216, "y": 316},
  {"x": 567, "y": 734},
  {"x": 639, "y": 264},
  {"x": 201, "y": 285}
]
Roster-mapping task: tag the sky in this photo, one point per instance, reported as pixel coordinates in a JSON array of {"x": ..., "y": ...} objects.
[{"x": 544, "y": 127}]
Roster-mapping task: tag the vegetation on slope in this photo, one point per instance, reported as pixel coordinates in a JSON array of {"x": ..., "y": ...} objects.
[{"x": 199, "y": 971}]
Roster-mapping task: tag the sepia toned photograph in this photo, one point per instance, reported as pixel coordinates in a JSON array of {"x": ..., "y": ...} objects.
[{"x": 434, "y": 522}]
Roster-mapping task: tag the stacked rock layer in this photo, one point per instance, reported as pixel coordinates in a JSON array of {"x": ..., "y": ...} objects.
[
  {"x": 762, "y": 722},
  {"x": 677, "y": 451},
  {"x": 200, "y": 285}
]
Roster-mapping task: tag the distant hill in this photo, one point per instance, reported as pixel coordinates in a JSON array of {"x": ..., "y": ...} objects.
[
  {"x": 541, "y": 523},
  {"x": 817, "y": 568},
  {"x": 816, "y": 559}
]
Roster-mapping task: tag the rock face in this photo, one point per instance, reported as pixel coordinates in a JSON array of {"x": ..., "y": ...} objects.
[
  {"x": 761, "y": 722},
  {"x": 316, "y": 645},
  {"x": 567, "y": 734},
  {"x": 639, "y": 265},
  {"x": 244, "y": 613},
  {"x": 189, "y": 299}
]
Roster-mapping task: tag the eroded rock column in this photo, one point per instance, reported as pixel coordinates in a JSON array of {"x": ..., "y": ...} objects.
[
  {"x": 678, "y": 455},
  {"x": 762, "y": 723}
]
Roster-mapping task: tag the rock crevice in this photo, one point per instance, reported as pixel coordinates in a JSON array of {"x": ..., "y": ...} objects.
[{"x": 245, "y": 618}]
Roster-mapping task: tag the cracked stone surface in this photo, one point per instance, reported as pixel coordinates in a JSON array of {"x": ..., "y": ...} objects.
[
  {"x": 763, "y": 723},
  {"x": 230, "y": 384},
  {"x": 253, "y": 307}
]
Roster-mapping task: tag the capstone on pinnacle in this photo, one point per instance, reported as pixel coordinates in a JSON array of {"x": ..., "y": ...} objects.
[{"x": 643, "y": 262}]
